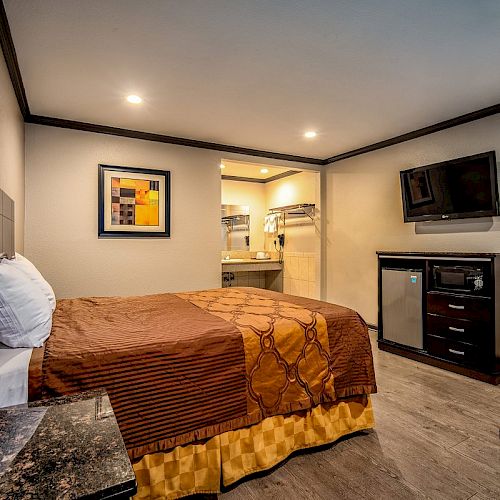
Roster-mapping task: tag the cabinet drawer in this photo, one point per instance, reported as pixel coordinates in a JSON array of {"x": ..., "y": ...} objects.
[
  {"x": 471, "y": 308},
  {"x": 454, "y": 351},
  {"x": 462, "y": 330}
]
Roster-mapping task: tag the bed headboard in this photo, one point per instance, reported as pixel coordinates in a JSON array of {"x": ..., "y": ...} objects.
[{"x": 7, "y": 247}]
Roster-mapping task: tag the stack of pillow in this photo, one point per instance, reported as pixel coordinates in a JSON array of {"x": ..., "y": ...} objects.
[{"x": 27, "y": 302}]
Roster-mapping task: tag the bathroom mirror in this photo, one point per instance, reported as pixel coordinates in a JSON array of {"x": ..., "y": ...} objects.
[{"x": 235, "y": 227}]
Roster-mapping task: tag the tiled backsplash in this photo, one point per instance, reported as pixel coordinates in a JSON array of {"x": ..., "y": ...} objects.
[{"x": 301, "y": 274}]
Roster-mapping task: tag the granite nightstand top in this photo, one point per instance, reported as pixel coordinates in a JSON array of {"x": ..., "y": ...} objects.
[{"x": 68, "y": 447}]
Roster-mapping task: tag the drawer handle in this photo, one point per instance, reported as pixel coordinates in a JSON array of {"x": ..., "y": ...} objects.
[
  {"x": 453, "y": 329},
  {"x": 453, "y": 306},
  {"x": 462, "y": 353}
]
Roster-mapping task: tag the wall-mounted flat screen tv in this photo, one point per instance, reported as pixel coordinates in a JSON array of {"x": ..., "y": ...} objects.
[{"x": 454, "y": 189}]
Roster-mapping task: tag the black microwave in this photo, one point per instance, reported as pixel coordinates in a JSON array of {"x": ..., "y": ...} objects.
[{"x": 466, "y": 279}]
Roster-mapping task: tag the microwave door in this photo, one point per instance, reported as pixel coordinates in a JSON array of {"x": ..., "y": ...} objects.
[{"x": 454, "y": 280}]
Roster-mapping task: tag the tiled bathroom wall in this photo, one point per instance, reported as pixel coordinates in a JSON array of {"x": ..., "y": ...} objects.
[{"x": 301, "y": 274}]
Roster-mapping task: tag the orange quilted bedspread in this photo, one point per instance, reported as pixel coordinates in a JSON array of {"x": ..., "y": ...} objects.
[{"x": 185, "y": 367}]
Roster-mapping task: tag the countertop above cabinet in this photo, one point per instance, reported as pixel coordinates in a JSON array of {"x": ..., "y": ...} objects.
[
  {"x": 453, "y": 255},
  {"x": 242, "y": 265}
]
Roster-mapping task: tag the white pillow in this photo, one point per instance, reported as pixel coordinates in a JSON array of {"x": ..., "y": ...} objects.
[
  {"x": 25, "y": 312},
  {"x": 25, "y": 266}
]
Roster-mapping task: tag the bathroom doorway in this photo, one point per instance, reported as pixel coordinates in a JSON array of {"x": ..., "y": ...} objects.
[{"x": 276, "y": 210}]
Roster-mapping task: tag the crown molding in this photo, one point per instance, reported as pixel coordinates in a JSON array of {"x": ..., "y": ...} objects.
[
  {"x": 431, "y": 129},
  {"x": 9, "y": 52},
  {"x": 288, "y": 173},
  {"x": 168, "y": 139}
]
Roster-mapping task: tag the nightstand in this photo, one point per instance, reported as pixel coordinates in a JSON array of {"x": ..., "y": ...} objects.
[{"x": 67, "y": 447}]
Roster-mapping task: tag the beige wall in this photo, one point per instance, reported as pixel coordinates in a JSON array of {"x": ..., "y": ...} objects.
[
  {"x": 298, "y": 188},
  {"x": 12, "y": 150},
  {"x": 253, "y": 195},
  {"x": 61, "y": 223},
  {"x": 364, "y": 212},
  {"x": 61, "y": 230},
  {"x": 302, "y": 237}
]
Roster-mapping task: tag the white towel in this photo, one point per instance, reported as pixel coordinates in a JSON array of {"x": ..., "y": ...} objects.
[
  {"x": 271, "y": 223},
  {"x": 266, "y": 224}
]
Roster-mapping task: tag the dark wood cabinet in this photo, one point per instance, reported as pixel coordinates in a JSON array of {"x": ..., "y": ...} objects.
[
  {"x": 460, "y": 352},
  {"x": 460, "y": 330},
  {"x": 459, "y": 306},
  {"x": 460, "y": 324}
]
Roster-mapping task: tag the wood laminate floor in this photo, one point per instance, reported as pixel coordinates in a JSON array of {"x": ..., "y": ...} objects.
[{"x": 436, "y": 436}]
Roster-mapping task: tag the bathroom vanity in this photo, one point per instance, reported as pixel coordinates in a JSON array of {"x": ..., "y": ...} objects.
[
  {"x": 240, "y": 266},
  {"x": 267, "y": 273}
]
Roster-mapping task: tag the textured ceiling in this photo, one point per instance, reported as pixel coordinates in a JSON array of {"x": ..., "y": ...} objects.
[{"x": 259, "y": 73}]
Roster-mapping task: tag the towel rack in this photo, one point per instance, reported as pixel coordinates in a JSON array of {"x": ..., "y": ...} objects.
[
  {"x": 298, "y": 209},
  {"x": 231, "y": 219},
  {"x": 236, "y": 222}
]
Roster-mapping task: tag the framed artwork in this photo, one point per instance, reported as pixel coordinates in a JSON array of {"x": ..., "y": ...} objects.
[{"x": 133, "y": 202}]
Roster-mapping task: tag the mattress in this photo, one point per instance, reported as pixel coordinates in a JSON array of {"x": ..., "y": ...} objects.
[{"x": 14, "y": 364}]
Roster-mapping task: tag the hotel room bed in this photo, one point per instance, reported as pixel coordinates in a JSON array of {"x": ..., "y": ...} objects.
[
  {"x": 205, "y": 385},
  {"x": 211, "y": 384}
]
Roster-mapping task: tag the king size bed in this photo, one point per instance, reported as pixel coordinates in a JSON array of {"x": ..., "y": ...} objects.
[{"x": 212, "y": 385}]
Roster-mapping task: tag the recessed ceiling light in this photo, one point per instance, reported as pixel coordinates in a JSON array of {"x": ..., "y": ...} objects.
[
  {"x": 310, "y": 134},
  {"x": 222, "y": 166},
  {"x": 134, "y": 99},
  {"x": 264, "y": 170}
]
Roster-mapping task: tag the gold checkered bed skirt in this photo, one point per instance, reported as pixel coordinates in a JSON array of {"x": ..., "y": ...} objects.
[{"x": 198, "y": 468}]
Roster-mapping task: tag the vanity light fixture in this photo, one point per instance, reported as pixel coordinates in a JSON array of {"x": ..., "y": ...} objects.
[
  {"x": 310, "y": 134},
  {"x": 264, "y": 170},
  {"x": 222, "y": 166},
  {"x": 134, "y": 99}
]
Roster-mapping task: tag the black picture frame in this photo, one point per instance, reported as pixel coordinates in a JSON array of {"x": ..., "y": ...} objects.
[{"x": 131, "y": 233}]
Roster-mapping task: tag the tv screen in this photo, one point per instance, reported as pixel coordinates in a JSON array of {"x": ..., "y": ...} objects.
[{"x": 455, "y": 189}]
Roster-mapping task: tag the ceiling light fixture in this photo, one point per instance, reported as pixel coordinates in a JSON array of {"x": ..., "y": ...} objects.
[
  {"x": 310, "y": 134},
  {"x": 222, "y": 166},
  {"x": 134, "y": 99},
  {"x": 264, "y": 170}
]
